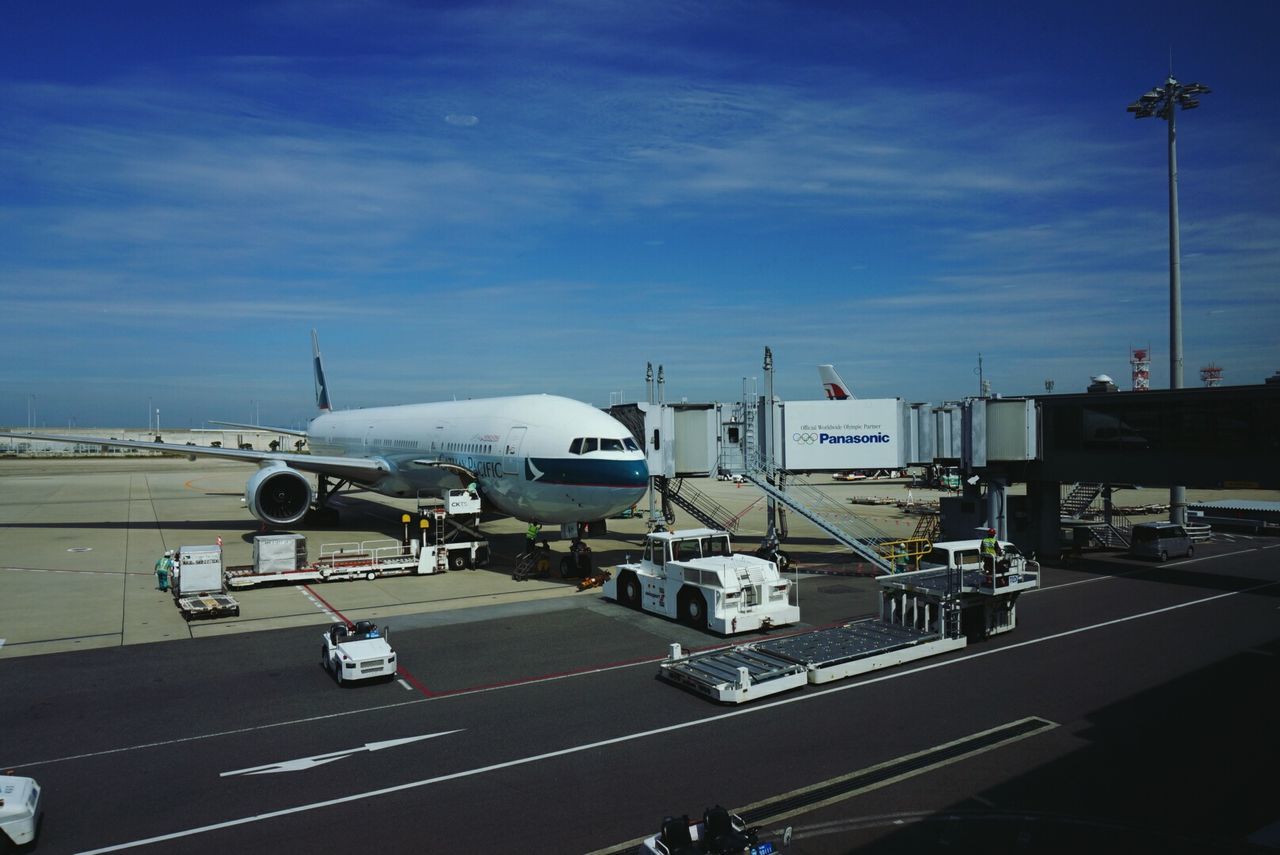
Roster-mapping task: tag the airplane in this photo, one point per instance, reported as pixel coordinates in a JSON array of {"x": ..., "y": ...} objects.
[
  {"x": 537, "y": 458},
  {"x": 836, "y": 389}
]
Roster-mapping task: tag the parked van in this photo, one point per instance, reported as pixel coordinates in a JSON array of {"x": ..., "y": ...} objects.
[{"x": 1159, "y": 540}]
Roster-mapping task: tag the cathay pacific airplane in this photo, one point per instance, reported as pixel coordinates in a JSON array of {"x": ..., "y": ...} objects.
[{"x": 533, "y": 457}]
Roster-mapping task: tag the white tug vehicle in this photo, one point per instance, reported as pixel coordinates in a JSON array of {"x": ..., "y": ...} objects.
[
  {"x": 694, "y": 576},
  {"x": 358, "y": 651},
  {"x": 20, "y": 811}
]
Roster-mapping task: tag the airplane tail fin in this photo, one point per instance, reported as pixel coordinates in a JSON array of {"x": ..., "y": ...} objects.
[
  {"x": 832, "y": 384},
  {"x": 322, "y": 388}
]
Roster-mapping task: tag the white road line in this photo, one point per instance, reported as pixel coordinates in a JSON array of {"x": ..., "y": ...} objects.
[
  {"x": 658, "y": 731},
  {"x": 302, "y": 764},
  {"x": 1128, "y": 573}
]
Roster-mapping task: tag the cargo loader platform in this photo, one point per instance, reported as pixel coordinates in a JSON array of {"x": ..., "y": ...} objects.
[{"x": 922, "y": 613}]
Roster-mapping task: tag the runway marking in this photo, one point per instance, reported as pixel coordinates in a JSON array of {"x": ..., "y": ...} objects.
[
  {"x": 657, "y": 731},
  {"x": 301, "y": 764}
]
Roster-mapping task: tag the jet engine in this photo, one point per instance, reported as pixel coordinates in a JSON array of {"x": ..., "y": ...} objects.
[{"x": 278, "y": 495}]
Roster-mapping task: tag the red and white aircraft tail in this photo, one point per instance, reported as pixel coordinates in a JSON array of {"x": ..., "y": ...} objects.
[{"x": 835, "y": 388}]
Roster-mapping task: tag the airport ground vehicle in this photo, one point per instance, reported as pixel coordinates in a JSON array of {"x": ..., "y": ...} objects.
[
  {"x": 718, "y": 833},
  {"x": 367, "y": 559},
  {"x": 445, "y": 542},
  {"x": 358, "y": 651},
  {"x": 199, "y": 587},
  {"x": 20, "y": 809},
  {"x": 923, "y": 612},
  {"x": 1160, "y": 540},
  {"x": 693, "y": 575}
]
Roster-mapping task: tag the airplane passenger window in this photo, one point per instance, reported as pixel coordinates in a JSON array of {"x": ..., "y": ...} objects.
[{"x": 607, "y": 444}]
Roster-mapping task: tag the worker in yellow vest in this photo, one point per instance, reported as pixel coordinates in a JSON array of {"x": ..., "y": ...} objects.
[{"x": 990, "y": 551}]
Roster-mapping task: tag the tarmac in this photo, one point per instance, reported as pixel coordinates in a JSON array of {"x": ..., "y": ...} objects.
[{"x": 79, "y": 539}]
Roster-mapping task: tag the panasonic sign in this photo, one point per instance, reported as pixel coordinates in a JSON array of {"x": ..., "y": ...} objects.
[{"x": 839, "y": 435}]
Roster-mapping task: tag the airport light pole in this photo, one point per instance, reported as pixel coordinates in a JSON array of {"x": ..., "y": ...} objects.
[{"x": 1160, "y": 102}]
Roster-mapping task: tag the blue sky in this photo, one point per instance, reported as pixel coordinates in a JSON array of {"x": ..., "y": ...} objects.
[{"x": 473, "y": 199}]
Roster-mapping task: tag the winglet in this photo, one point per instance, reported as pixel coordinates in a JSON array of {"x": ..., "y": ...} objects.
[
  {"x": 835, "y": 388},
  {"x": 322, "y": 388}
]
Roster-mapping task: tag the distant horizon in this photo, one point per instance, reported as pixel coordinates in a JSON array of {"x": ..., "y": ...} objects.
[{"x": 482, "y": 199}]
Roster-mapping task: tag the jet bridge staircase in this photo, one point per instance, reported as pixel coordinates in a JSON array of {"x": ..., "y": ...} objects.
[
  {"x": 1112, "y": 531},
  {"x": 865, "y": 539},
  {"x": 697, "y": 504}
]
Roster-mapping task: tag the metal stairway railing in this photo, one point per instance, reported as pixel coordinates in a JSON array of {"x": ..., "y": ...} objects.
[
  {"x": 929, "y": 527},
  {"x": 1078, "y": 503},
  {"x": 1117, "y": 533},
  {"x": 1082, "y": 495},
  {"x": 696, "y": 503},
  {"x": 827, "y": 514}
]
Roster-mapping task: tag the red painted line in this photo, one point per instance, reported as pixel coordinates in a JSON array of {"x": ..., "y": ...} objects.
[
  {"x": 591, "y": 669},
  {"x": 415, "y": 682},
  {"x": 528, "y": 681},
  {"x": 328, "y": 605}
]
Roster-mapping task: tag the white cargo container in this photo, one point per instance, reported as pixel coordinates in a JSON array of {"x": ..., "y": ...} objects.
[
  {"x": 279, "y": 553},
  {"x": 199, "y": 587}
]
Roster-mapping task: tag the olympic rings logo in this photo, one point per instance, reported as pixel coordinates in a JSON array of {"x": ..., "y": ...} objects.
[{"x": 805, "y": 438}]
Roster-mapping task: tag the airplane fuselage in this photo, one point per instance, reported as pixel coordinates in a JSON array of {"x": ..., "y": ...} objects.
[{"x": 532, "y": 456}]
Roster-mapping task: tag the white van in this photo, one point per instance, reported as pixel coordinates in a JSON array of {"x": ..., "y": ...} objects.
[{"x": 1159, "y": 540}]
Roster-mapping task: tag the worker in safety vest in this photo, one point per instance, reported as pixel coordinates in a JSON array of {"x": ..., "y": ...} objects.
[
  {"x": 531, "y": 535},
  {"x": 899, "y": 558},
  {"x": 990, "y": 551},
  {"x": 164, "y": 567}
]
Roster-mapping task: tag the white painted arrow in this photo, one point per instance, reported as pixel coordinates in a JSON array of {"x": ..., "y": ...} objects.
[{"x": 304, "y": 763}]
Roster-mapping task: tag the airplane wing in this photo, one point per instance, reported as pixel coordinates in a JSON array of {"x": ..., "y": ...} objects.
[
  {"x": 285, "y": 431},
  {"x": 357, "y": 470}
]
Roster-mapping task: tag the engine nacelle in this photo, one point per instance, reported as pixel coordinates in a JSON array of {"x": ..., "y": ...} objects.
[{"x": 278, "y": 495}]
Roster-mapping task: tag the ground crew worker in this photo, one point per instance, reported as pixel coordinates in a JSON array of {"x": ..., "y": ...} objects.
[
  {"x": 899, "y": 558},
  {"x": 531, "y": 535},
  {"x": 990, "y": 550},
  {"x": 163, "y": 568}
]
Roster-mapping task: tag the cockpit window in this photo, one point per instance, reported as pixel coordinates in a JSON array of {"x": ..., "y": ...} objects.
[{"x": 586, "y": 445}]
